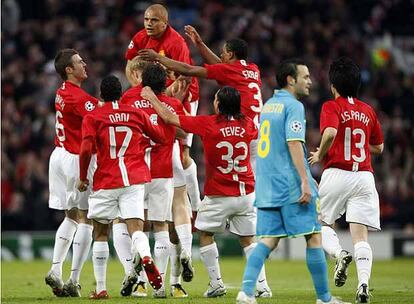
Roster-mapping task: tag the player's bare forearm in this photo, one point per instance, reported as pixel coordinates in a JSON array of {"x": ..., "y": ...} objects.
[
  {"x": 376, "y": 149},
  {"x": 207, "y": 54},
  {"x": 166, "y": 115},
  {"x": 180, "y": 133},
  {"x": 327, "y": 140}
]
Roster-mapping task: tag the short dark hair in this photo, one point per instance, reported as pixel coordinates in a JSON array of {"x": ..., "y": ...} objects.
[
  {"x": 155, "y": 77},
  {"x": 229, "y": 102},
  {"x": 345, "y": 76},
  {"x": 111, "y": 88},
  {"x": 239, "y": 47},
  {"x": 63, "y": 59},
  {"x": 288, "y": 67}
]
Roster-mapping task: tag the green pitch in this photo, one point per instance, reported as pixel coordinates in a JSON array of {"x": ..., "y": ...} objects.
[{"x": 393, "y": 282}]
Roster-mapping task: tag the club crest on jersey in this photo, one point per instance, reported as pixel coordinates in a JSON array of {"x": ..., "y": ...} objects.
[
  {"x": 162, "y": 53},
  {"x": 296, "y": 126},
  {"x": 89, "y": 106},
  {"x": 154, "y": 119},
  {"x": 131, "y": 45}
]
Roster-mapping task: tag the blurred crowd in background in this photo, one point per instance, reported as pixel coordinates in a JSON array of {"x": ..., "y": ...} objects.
[{"x": 378, "y": 35}]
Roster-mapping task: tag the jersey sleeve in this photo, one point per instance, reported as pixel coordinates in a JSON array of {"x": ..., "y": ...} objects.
[
  {"x": 377, "y": 136},
  {"x": 295, "y": 127},
  {"x": 85, "y": 105},
  {"x": 88, "y": 127},
  {"x": 329, "y": 117},
  {"x": 217, "y": 71},
  {"x": 194, "y": 124},
  {"x": 155, "y": 131},
  {"x": 133, "y": 48}
]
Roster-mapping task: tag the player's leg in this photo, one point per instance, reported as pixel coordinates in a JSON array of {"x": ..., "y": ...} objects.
[
  {"x": 363, "y": 212},
  {"x": 131, "y": 208},
  {"x": 271, "y": 235},
  {"x": 83, "y": 237},
  {"x": 333, "y": 200},
  {"x": 66, "y": 231},
  {"x": 100, "y": 256},
  {"x": 182, "y": 223},
  {"x": 190, "y": 166},
  {"x": 176, "y": 289},
  {"x": 363, "y": 260},
  {"x": 243, "y": 224}
]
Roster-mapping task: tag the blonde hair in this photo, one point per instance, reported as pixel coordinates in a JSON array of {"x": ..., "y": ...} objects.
[{"x": 138, "y": 64}]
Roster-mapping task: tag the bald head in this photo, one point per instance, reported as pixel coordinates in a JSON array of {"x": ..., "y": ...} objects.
[
  {"x": 158, "y": 10},
  {"x": 156, "y": 20}
]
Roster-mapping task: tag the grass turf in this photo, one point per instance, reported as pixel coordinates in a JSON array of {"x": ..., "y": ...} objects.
[{"x": 392, "y": 281}]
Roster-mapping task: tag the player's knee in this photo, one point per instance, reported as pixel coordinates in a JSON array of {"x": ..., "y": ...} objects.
[
  {"x": 313, "y": 240},
  {"x": 206, "y": 238},
  {"x": 246, "y": 241},
  {"x": 72, "y": 214},
  {"x": 100, "y": 231}
]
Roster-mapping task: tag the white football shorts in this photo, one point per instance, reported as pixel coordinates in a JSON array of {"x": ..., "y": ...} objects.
[
  {"x": 158, "y": 199},
  {"x": 214, "y": 212},
  {"x": 63, "y": 180},
  {"x": 253, "y": 154},
  {"x": 353, "y": 193},
  {"x": 105, "y": 205},
  {"x": 178, "y": 170}
]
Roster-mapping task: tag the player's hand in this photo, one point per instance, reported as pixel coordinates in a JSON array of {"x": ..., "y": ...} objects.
[
  {"x": 83, "y": 185},
  {"x": 306, "y": 193},
  {"x": 180, "y": 87},
  {"x": 148, "y": 54},
  {"x": 147, "y": 93},
  {"x": 191, "y": 33},
  {"x": 315, "y": 157}
]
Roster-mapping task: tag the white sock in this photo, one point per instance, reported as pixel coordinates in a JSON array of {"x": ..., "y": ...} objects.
[
  {"x": 209, "y": 255},
  {"x": 363, "y": 260},
  {"x": 100, "y": 255},
  {"x": 122, "y": 244},
  {"x": 162, "y": 251},
  {"x": 63, "y": 240},
  {"x": 261, "y": 279},
  {"x": 185, "y": 236},
  {"x": 192, "y": 185},
  {"x": 175, "y": 273},
  {"x": 80, "y": 246},
  {"x": 330, "y": 242},
  {"x": 140, "y": 244}
]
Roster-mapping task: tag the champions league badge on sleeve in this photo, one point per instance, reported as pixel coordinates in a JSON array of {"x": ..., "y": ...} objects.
[
  {"x": 89, "y": 106},
  {"x": 296, "y": 126}
]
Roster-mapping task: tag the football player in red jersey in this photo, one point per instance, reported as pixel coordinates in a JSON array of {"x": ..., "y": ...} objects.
[
  {"x": 71, "y": 105},
  {"x": 118, "y": 186},
  {"x": 229, "y": 188},
  {"x": 350, "y": 132},
  {"x": 158, "y": 193},
  {"x": 163, "y": 39},
  {"x": 230, "y": 69}
]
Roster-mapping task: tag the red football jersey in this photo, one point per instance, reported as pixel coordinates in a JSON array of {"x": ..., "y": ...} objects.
[
  {"x": 161, "y": 154},
  {"x": 245, "y": 77},
  {"x": 171, "y": 45},
  {"x": 357, "y": 127},
  {"x": 117, "y": 130},
  {"x": 226, "y": 152},
  {"x": 71, "y": 105}
]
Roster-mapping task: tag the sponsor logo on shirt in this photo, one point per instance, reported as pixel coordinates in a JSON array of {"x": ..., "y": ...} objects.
[
  {"x": 89, "y": 106},
  {"x": 154, "y": 119},
  {"x": 296, "y": 126},
  {"x": 162, "y": 53}
]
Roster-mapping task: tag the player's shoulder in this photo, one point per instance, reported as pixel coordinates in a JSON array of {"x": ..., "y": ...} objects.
[
  {"x": 364, "y": 105},
  {"x": 330, "y": 104},
  {"x": 172, "y": 35}
]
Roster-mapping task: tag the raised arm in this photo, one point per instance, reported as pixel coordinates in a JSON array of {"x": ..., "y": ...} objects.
[
  {"x": 179, "y": 67},
  {"x": 207, "y": 54},
  {"x": 166, "y": 115}
]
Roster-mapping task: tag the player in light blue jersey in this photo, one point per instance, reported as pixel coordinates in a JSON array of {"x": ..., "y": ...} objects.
[{"x": 286, "y": 194}]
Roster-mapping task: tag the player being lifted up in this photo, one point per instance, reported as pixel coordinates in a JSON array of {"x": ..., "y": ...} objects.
[
  {"x": 230, "y": 69},
  {"x": 350, "y": 133},
  {"x": 71, "y": 104},
  {"x": 118, "y": 187},
  {"x": 159, "y": 192},
  {"x": 229, "y": 188}
]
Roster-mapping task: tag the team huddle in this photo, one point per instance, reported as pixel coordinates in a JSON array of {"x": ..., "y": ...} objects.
[{"x": 123, "y": 163}]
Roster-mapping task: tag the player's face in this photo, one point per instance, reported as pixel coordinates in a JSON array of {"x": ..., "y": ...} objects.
[
  {"x": 303, "y": 81},
  {"x": 78, "y": 69},
  {"x": 154, "y": 24},
  {"x": 225, "y": 55}
]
